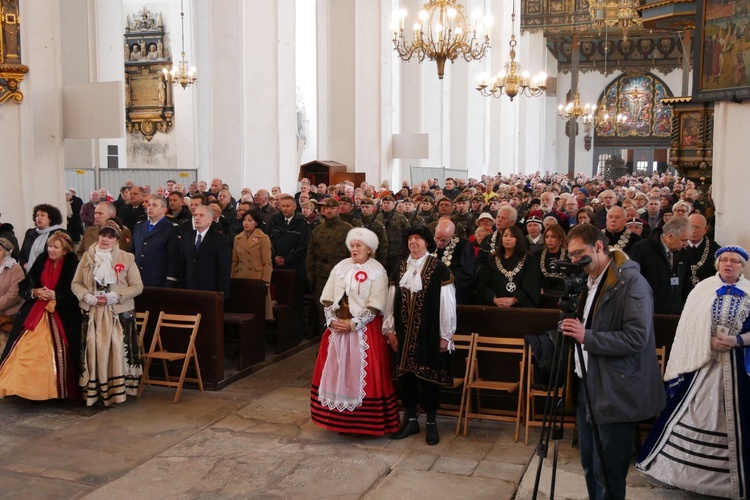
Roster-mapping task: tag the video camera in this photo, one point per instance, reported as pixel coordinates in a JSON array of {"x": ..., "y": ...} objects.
[{"x": 568, "y": 284}]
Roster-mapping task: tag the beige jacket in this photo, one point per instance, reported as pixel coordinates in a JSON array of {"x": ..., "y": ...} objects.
[
  {"x": 251, "y": 257},
  {"x": 10, "y": 301},
  {"x": 129, "y": 283}
]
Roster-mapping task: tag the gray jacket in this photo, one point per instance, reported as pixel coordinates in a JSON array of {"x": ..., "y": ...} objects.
[{"x": 624, "y": 379}]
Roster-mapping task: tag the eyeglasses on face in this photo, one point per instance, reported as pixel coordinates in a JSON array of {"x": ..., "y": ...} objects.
[{"x": 577, "y": 254}]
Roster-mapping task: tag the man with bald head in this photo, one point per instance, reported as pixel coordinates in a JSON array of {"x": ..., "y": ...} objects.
[
  {"x": 103, "y": 211},
  {"x": 265, "y": 209},
  {"x": 458, "y": 254},
  {"x": 620, "y": 237},
  {"x": 700, "y": 252}
]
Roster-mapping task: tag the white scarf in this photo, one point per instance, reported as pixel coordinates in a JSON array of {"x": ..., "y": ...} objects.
[
  {"x": 691, "y": 348},
  {"x": 103, "y": 272},
  {"x": 40, "y": 242},
  {"x": 412, "y": 278},
  {"x": 7, "y": 263}
]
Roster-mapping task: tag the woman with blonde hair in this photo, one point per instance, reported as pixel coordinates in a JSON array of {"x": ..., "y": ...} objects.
[{"x": 41, "y": 358}]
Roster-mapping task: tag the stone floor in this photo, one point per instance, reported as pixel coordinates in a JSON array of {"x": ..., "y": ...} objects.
[{"x": 254, "y": 439}]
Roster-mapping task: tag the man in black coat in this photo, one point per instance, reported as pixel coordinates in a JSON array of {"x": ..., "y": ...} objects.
[
  {"x": 700, "y": 253},
  {"x": 157, "y": 246},
  {"x": 458, "y": 254},
  {"x": 617, "y": 232},
  {"x": 206, "y": 255},
  {"x": 133, "y": 212},
  {"x": 290, "y": 235},
  {"x": 664, "y": 265}
]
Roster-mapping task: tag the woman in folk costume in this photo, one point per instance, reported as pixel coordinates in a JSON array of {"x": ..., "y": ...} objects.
[
  {"x": 352, "y": 387},
  {"x": 701, "y": 441},
  {"x": 42, "y": 355},
  {"x": 106, "y": 284}
]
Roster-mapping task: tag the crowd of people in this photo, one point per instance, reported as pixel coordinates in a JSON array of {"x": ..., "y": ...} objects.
[{"x": 369, "y": 254}]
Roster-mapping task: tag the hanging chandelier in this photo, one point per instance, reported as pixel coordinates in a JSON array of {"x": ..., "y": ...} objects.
[
  {"x": 619, "y": 14},
  {"x": 441, "y": 34},
  {"x": 511, "y": 81},
  {"x": 182, "y": 72}
]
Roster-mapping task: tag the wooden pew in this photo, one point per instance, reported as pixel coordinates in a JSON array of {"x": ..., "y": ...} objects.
[
  {"x": 285, "y": 310},
  {"x": 246, "y": 309}
]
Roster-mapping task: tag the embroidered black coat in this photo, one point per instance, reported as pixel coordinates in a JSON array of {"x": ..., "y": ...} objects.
[{"x": 417, "y": 324}]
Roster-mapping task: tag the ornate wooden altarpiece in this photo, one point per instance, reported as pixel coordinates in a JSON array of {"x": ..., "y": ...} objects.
[
  {"x": 148, "y": 97},
  {"x": 692, "y": 139},
  {"x": 11, "y": 69},
  {"x": 641, "y": 51}
]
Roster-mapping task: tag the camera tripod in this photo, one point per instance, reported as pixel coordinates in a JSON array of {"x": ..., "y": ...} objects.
[{"x": 553, "y": 421}]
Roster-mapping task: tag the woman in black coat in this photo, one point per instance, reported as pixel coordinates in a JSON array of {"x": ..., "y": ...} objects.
[
  {"x": 511, "y": 276},
  {"x": 67, "y": 314}
]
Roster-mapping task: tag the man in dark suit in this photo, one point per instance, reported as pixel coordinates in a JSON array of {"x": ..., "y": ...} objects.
[
  {"x": 157, "y": 246},
  {"x": 133, "y": 212},
  {"x": 206, "y": 255},
  {"x": 664, "y": 265},
  {"x": 700, "y": 253},
  {"x": 609, "y": 201},
  {"x": 290, "y": 234}
]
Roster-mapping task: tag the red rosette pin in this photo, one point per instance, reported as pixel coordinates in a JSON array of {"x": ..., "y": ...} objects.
[
  {"x": 118, "y": 269},
  {"x": 360, "y": 277}
]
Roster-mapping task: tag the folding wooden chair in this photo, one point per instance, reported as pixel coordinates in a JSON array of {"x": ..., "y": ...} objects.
[
  {"x": 504, "y": 348},
  {"x": 461, "y": 343},
  {"x": 181, "y": 324},
  {"x": 532, "y": 418},
  {"x": 141, "y": 320},
  {"x": 661, "y": 356}
]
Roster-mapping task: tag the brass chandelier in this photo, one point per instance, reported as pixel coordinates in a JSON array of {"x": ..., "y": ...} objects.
[
  {"x": 511, "y": 81},
  {"x": 441, "y": 34},
  {"x": 182, "y": 72},
  {"x": 619, "y": 14}
]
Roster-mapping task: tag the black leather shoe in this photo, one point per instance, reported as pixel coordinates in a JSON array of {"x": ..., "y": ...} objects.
[
  {"x": 432, "y": 438},
  {"x": 408, "y": 428}
]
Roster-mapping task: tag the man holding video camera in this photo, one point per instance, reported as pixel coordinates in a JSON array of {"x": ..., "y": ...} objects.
[{"x": 619, "y": 378}]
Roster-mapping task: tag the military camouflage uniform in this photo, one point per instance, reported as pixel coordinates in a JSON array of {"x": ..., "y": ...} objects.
[
  {"x": 378, "y": 228},
  {"x": 396, "y": 226},
  {"x": 327, "y": 248},
  {"x": 413, "y": 218}
]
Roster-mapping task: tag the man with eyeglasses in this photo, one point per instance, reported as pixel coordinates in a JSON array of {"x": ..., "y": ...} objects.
[
  {"x": 665, "y": 265},
  {"x": 609, "y": 200},
  {"x": 619, "y": 379}
]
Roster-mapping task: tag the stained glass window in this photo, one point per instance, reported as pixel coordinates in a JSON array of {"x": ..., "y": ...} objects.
[{"x": 639, "y": 99}]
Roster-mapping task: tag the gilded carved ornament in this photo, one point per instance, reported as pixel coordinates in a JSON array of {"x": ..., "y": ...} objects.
[{"x": 11, "y": 70}]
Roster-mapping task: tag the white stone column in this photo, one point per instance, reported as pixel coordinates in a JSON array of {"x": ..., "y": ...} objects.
[
  {"x": 250, "y": 100},
  {"x": 31, "y": 141},
  {"x": 730, "y": 173}
]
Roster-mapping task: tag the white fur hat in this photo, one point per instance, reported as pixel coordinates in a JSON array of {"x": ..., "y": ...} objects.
[{"x": 365, "y": 236}]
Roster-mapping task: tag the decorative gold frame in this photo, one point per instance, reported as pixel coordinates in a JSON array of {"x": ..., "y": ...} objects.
[
  {"x": 11, "y": 69},
  {"x": 148, "y": 97}
]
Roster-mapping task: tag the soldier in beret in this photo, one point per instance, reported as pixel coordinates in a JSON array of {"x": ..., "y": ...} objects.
[
  {"x": 326, "y": 249},
  {"x": 426, "y": 209},
  {"x": 409, "y": 211},
  {"x": 396, "y": 226},
  {"x": 370, "y": 222},
  {"x": 347, "y": 211}
]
